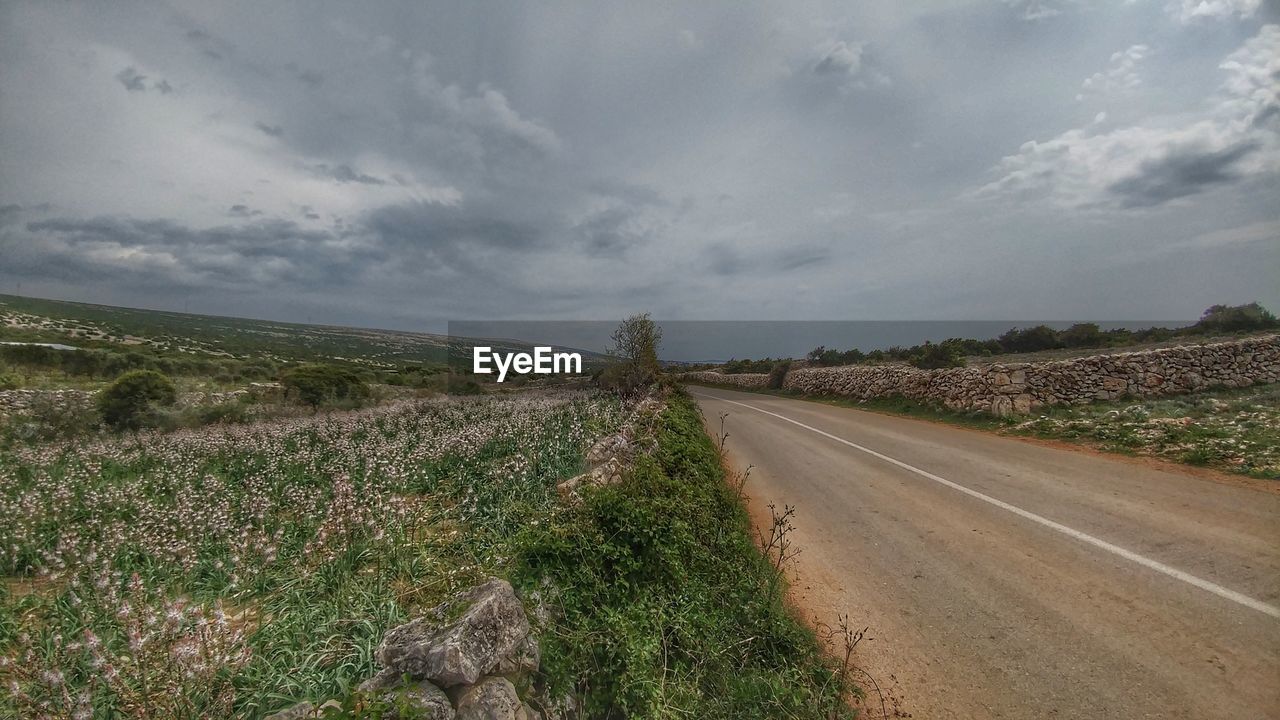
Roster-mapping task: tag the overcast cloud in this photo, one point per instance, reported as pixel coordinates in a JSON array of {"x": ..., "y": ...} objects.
[{"x": 401, "y": 165}]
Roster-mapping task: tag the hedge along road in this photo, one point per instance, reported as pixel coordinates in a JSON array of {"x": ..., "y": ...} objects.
[{"x": 1008, "y": 579}]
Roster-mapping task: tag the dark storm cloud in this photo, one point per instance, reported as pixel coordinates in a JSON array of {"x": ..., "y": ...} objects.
[
  {"x": 345, "y": 174},
  {"x": 307, "y": 77},
  {"x": 212, "y": 47},
  {"x": 1184, "y": 171},
  {"x": 273, "y": 251},
  {"x": 591, "y": 160},
  {"x": 796, "y": 258},
  {"x": 272, "y": 130},
  {"x": 132, "y": 80},
  {"x": 453, "y": 234},
  {"x": 9, "y": 213},
  {"x": 612, "y": 231}
]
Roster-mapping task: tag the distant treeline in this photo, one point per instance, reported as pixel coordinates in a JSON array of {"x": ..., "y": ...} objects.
[
  {"x": 102, "y": 363},
  {"x": 1217, "y": 320}
]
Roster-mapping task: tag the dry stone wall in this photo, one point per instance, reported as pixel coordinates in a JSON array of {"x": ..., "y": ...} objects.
[{"x": 1019, "y": 388}]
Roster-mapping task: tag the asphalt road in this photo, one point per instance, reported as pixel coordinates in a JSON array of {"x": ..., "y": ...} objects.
[{"x": 1003, "y": 578}]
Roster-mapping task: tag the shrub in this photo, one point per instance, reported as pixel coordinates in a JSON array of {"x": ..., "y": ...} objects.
[
  {"x": 778, "y": 373},
  {"x": 130, "y": 401},
  {"x": 941, "y": 355},
  {"x": 1082, "y": 335},
  {"x": 317, "y": 385},
  {"x": 1032, "y": 339},
  {"x": 1236, "y": 318},
  {"x": 8, "y": 381}
]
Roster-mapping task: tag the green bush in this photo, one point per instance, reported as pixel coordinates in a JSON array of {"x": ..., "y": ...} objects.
[
  {"x": 317, "y": 385},
  {"x": 8, "y": 381},
  {"x": 940, "y": 355},
  {"x": 131, "y": 401}
]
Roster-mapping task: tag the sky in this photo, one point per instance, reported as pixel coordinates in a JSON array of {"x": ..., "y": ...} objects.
[{"x": 402, "y": 165}]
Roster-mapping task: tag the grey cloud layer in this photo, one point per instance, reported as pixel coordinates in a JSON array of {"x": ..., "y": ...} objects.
[{"x": 407, "y": 164}]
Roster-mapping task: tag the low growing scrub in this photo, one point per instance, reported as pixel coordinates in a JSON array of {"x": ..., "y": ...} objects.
[
  {"x": 1236, "y": 430},
  {"x": 320, "y": 385}
]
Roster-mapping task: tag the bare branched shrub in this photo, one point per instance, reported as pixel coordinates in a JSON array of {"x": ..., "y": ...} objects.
[{"x": 778, "y": 545}]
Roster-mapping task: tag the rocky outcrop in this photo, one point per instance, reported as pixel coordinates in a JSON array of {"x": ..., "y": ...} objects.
[
  {"x": 1020, "y": 388},
  {"x": 463, "y": 659},
  {"x": 491, "y": 625}
]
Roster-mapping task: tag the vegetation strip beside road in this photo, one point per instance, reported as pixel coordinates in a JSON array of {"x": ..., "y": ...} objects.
[
  {"x": 1231, "y": 430},
  {"x": 668, "y": 608}
]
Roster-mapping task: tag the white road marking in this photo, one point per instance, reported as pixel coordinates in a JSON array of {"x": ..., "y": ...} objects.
[{"x": 1143, "y": 560}]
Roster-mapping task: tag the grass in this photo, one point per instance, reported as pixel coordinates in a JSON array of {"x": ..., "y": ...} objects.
[
  {"x": 230, "y": 570},
  {"x": 1234, "y": 430},
  {"x": 666, "y": 609}
]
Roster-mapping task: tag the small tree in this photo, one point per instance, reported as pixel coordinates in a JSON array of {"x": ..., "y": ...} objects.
[
  {"x": 636, "y": 340},
  {"x": 634, "y": 356},
  {"x": 130, "y": 401}
]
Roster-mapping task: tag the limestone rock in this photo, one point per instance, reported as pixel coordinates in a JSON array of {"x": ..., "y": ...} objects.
[
  {"x": 492, "y": 623},
  {"x": 493, "y": 698},
  {"x": 420, "y": 700},
  {"x": 384, "y": 680},
  {"x": 524, "y": 659},
  {"x": 607, "y": 448}
]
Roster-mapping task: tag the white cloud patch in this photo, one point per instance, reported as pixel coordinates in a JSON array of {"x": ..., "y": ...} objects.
[
  {"x": 1122, "y": 73},
  {"x": 842, "y": 58},
  {"x": 1190, "y": 11},
  {"x": 1167, "y": 158},
  {"x": 1034, "y": 10}
]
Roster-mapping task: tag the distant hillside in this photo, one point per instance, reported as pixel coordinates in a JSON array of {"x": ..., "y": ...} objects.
[{"x": 27, "y": 319}]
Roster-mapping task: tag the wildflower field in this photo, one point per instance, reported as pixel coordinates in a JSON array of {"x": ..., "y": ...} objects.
[{"x": 229, "y": 570}]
